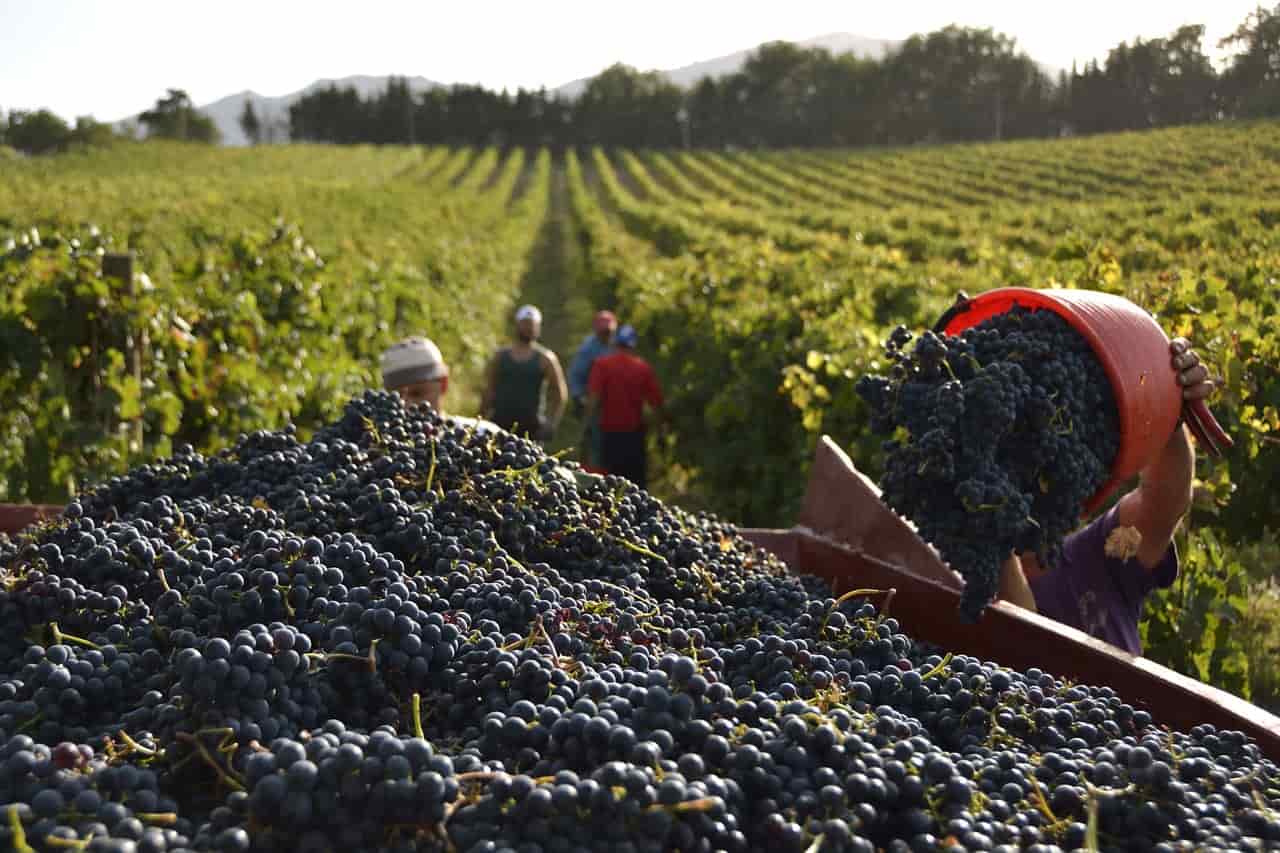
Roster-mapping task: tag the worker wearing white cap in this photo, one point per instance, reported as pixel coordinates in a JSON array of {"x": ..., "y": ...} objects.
[
  {"x": 415, "y": 369},
  {"x": 517, "y": 377},
  {"x": 529, "y": 313}
]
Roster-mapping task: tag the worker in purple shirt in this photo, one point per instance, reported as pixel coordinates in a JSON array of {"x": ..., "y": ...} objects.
[{"x": 1108, "y": 567}]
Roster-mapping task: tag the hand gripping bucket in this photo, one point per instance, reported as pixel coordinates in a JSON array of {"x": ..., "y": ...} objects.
[{"x": 1134, "y": 352}]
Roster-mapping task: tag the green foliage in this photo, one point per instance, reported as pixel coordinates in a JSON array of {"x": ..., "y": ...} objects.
[
  {"x": 621, "y": 105},
  {"x": 1220, "y": 621},
  {"x": 1195, "y": 626},
  {"x": 1251, "y": 85},
  {"x": 780, "y": 274},
  {"x": 89, "y": 133},
  {"x": 1259, "y": 637},
  {"x": 250, "y": 123},
  {"x": 39, "y": 132},
  {"x": 175, "y": 117},
  {"x": 42, "y": 132},
  {"x": 762, "y": 284},
  {"x": 235, "y": 321},
  {"x": 1155, "y": 83}
]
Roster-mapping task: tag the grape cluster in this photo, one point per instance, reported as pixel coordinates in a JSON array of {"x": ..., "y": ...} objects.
[
  {"x": 997, "y": 438},
  {"x": 406, "y": 635}
]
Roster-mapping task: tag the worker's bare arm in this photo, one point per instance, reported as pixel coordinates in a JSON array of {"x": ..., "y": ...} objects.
[
  {"x": 490, "y": 386},
  {"x": 558, "y": 391},
  {"x": 1014, "y": 587},
  {"x": 1163, "y": 496}
]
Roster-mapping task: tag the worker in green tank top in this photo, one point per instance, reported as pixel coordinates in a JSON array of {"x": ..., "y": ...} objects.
[{"x": 516, "y": 377}]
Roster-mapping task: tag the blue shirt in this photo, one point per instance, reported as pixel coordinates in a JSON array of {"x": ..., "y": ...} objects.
[{"x": 580, "y": 369}]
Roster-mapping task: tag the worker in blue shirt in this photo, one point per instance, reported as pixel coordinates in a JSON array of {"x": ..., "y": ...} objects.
[{"x": 597, "y": 344}]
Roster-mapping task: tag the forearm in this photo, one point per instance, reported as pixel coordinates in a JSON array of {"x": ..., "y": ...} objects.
[
  {"x": 557, "y": 392},
  {"x": 1162, "y": 497},
  {"x": 1013, "y": 585},
  {"x": 490, "y": 389},
  {"x": 556, "y": 402},
  {"x": 1166, "y": 482},
  {"x": 1165, "y": 485}
]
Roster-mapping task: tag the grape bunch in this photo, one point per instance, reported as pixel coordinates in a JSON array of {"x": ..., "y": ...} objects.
[
  {"x": 997, "y": 438},
  {"x": 404, "y": 634}
]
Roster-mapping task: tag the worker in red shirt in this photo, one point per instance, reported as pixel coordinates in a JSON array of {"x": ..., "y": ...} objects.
[{"x": 620, "y": 386}]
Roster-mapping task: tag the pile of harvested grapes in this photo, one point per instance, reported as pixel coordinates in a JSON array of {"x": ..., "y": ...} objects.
[
  {"x": 999, "y": 435},
  {"x": 408, "y": 635}
]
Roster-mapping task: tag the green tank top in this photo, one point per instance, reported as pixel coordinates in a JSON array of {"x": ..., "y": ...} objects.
[{"x": 518, "y": 390}]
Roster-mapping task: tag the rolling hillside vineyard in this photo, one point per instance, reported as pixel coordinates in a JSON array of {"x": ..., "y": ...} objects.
[{"x": 283, "y": 612}]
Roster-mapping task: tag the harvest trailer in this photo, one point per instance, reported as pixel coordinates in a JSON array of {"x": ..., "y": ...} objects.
[{"x": 845, "y": 535}]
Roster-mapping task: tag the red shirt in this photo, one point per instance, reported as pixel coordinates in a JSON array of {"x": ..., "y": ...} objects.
[{"x": 624, "y": 382}]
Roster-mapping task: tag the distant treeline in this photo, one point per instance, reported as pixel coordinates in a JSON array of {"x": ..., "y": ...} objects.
[
  {"x": 43, "y": 132},
  {"x": 956, "y": 84}
]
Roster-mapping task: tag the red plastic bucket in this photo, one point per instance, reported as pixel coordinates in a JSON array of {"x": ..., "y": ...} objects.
[{"x": 1134, "y": 352}]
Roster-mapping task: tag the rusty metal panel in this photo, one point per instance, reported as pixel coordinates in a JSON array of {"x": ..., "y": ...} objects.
[
  {"x": 843, "y": 504},
  {"x": 783, "y": 544},
  {"x": 1016, "y": 638},
  {"x": 14, "y": 517}
]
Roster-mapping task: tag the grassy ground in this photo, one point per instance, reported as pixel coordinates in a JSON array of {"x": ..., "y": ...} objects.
[{"x": 552, "y": 282}]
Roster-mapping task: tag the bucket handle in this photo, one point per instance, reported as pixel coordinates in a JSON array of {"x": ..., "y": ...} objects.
[
  {"x": 1208, "y": 433},
  {"x": 961, "y": 305}
]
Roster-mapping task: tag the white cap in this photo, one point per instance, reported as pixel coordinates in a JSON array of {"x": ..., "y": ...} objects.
[
  {"x": 411, "y": 361},
  {"x": 528, "y": 312}
]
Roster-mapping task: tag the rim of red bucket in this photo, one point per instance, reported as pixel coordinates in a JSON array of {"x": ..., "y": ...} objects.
[{"x": 999, "y": 301}]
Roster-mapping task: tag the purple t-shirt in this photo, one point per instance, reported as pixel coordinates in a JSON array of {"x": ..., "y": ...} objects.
[{"x": 1101, "y": 595}]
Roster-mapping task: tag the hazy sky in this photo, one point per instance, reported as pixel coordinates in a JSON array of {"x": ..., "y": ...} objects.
[{"x": 112, "y": 58}]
